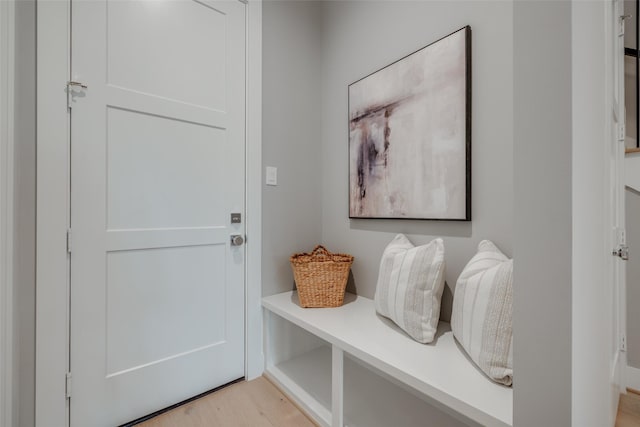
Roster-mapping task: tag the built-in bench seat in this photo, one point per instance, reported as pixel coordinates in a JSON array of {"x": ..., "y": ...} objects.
[{"x": 440, "y": 372}]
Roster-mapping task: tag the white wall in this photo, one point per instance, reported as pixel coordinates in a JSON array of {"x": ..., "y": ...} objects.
[
  {"x": 291, "y": 211},
  {"x": 542, "y": 215},
  {"x": 361, "y": 37}
]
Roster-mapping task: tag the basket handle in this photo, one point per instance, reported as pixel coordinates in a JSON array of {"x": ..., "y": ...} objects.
[{"x": 320, "y": 251}]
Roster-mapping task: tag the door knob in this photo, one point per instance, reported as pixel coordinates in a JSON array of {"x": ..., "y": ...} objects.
[{"x": 236, "y": 240}]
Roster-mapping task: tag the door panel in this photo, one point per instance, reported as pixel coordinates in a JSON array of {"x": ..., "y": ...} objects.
[
  {"x": 166, "y": 328},
  {"x": 157, "y": 166},
  {"x": 150, "y": 164},
  {"x": 150, "y": 36}
]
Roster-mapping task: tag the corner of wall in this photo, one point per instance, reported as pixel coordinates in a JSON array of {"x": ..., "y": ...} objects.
[
  {"x": 543, "y": 214},
  {"x": 292, "y": 220}
]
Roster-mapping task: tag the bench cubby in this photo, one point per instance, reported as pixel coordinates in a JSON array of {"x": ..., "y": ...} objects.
[{"x": 347, "y": 366}]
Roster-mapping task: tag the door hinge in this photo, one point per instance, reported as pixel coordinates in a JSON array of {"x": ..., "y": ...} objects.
[
  {"x": 623, "y": 342},
  {"x": 621, "y": 132},
  {"x": 71, "y": 85},
  {"x": 69, "y": 240},
  {"x": 67, "y": 385},
  {"x": 621, "y": 24},
  {"x": 621, "y": 250}
]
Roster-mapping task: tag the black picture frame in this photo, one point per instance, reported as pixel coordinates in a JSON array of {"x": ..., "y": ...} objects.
[{"x": 370, "y": 143}]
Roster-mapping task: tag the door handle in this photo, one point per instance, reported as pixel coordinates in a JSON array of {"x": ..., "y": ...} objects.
[{"x": 236, "y": 240}]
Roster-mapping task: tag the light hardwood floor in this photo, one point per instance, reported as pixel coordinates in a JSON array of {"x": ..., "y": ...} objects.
[
  {"x": 254, "y": 403},
  {"x": 259, "y": 403},
  {"x": 629, "y": 410}
]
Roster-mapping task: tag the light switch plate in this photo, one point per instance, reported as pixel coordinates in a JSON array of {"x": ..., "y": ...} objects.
[{"x": 272, "y": 175}]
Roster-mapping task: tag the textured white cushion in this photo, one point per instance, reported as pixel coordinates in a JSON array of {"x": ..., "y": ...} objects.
[
  {"x": 410, "y": 285},
  {"x": 482, "y": 312}
]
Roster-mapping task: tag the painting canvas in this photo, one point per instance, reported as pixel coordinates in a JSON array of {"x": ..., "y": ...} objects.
[{"x": 410, "y": 136}]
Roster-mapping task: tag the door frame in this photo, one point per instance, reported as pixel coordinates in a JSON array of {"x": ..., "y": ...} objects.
[
  {"x": 52, "y": 216},
  {"x": 7, "y": 63},
  {"x": 616, "y": 272}
]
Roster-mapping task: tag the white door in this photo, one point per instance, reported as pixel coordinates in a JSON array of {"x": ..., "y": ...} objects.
[
  {"x": 617, "y": 207},
  {"x": 157, "y": 167}
]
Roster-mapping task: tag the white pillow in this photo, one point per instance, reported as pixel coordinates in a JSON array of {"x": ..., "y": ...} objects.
[
  {"x": 410, "y": 285},
  {"x": 481, "y": 319}
]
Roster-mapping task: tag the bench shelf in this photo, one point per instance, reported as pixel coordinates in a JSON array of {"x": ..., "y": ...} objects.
[{"x": 305, "y": 351}]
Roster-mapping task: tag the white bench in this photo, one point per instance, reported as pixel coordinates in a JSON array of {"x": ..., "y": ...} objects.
[{"x": 312, "y": 371}]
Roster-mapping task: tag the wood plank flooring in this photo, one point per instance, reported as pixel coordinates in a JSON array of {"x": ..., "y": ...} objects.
[
  {"x": 259, "y": 403},
  {"x": 256, "y": 403},
  {"x": 629, "y": 410}
]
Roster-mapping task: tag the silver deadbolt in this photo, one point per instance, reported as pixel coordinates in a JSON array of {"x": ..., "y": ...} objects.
[{"x": 236, "y": 240}]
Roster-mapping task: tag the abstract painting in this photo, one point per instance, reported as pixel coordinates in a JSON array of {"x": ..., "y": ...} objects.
[{"x": 410, "y": 135}]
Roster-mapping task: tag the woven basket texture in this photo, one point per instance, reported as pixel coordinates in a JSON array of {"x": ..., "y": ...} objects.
[{"x": 321, "y": 277}]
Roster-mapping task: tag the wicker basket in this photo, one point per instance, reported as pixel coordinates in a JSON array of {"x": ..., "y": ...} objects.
[{"x": 321, "y": 277}]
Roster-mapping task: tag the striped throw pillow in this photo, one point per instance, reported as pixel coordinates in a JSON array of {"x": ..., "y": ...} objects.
[
  {"x": 482, "y": 312},
  {"x": 410, "y": 285}
]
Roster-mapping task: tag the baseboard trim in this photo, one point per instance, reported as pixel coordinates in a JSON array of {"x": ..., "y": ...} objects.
[
  {"x": 633, "y": 391},
  {"x": 292, "y": 398},
  {"x": 632, "y": 377}
]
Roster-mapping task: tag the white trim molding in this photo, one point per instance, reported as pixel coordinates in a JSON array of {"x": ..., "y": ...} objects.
[
  {"x": 52, "y": 218},
  {"x": 254, "y": 348},
  {"x": 7, "y": 62}
]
